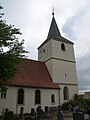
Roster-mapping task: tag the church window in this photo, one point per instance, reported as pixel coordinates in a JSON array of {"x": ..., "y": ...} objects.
[
  {"x": 66, "y": 93},
  {"x": 20, "y": 96},
  {"x": 62, "y": 47},
  {"x": 52, "y": 99},
  {"x": 37, "y": 97}
]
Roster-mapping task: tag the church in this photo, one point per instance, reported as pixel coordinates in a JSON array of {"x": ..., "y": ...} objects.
[{"x": 49, "y": 81}]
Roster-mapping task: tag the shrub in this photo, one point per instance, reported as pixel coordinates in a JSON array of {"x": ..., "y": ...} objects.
[
  {"x": 79, "y": 101},
  {"x": 65, "y": 106}
]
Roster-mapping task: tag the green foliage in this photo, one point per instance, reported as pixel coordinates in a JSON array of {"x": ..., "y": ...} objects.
[
  {"x": 87, "y": 101},
  {"x": 65, "y": 106},
  {"x": 77, "y": 101},
  {"x": 11, "y": 50}
]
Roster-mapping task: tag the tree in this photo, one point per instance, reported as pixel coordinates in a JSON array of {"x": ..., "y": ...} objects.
[{"x": 11, "y": 50}]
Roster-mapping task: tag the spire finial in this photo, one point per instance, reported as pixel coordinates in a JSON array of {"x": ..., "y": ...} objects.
[{"x": 53, "y": 11}]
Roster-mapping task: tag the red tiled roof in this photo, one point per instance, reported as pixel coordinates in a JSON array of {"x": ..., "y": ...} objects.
[
  {"x": 33, "y": 74},
  {"x": 87, "y": 94}
]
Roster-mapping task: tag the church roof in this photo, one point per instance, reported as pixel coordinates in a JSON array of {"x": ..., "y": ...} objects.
[
  {"x": 54, "y": 33},
  {"x": 33, "y": 74}
]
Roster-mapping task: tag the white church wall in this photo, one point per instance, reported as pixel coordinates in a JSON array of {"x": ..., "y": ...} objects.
[
  {"x": 10, "y": 100},
  {"x": 29, "y": 99},
  {"x": 45, "y": 98}
]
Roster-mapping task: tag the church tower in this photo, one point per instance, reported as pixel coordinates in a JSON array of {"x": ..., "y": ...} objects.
[{"x": 58, "y": 54}]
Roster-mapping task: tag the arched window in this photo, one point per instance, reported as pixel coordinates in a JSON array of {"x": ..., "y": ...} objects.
[
  {"x": 62, "y": 47},
  {"x": 37, "y": 97},
  {"x": 66, "y": 93},
  {"x": 20, "y": 96},
  {"x": 52, "y": 99}
]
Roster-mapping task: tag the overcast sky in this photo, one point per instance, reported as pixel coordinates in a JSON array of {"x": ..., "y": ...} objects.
[{"x": 33, "y": 17}]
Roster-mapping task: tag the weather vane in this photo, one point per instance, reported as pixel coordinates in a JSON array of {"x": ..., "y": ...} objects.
[{"x": 53, "y": 11}]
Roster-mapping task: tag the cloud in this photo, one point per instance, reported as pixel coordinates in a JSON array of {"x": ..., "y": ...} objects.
[
  {"x": 77, "y": 29},
  {"x": 83, "y": 72}
]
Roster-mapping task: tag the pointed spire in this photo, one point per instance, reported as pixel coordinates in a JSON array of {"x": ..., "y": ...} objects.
[{"x": 53, "y": 31}]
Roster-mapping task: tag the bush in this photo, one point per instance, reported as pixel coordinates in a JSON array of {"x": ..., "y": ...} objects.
[
  {"x": 65, "y": 106},
  {"x": 79, "y": 101}
]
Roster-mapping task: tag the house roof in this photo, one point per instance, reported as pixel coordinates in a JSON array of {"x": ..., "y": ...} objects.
[
  {"x": 87, "y": 94},
  {"x": 33, "y": 74}
]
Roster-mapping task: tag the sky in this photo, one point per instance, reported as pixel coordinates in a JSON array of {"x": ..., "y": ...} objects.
[{"x": 33, "y": 17}]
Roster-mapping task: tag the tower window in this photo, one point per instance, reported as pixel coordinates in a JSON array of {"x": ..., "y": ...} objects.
[
  {"x": 43, "y": 50},
  {"x": 66, "y": 93},
  {"x": 62, "y": 47}
]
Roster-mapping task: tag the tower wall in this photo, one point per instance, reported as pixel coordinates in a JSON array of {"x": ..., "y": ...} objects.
[
  {"x": 45, "y": 51},
  {"x": 61, "y": 64},
  {"x": 58, "y": 54},
  {"x": 63, "y": 72}
]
